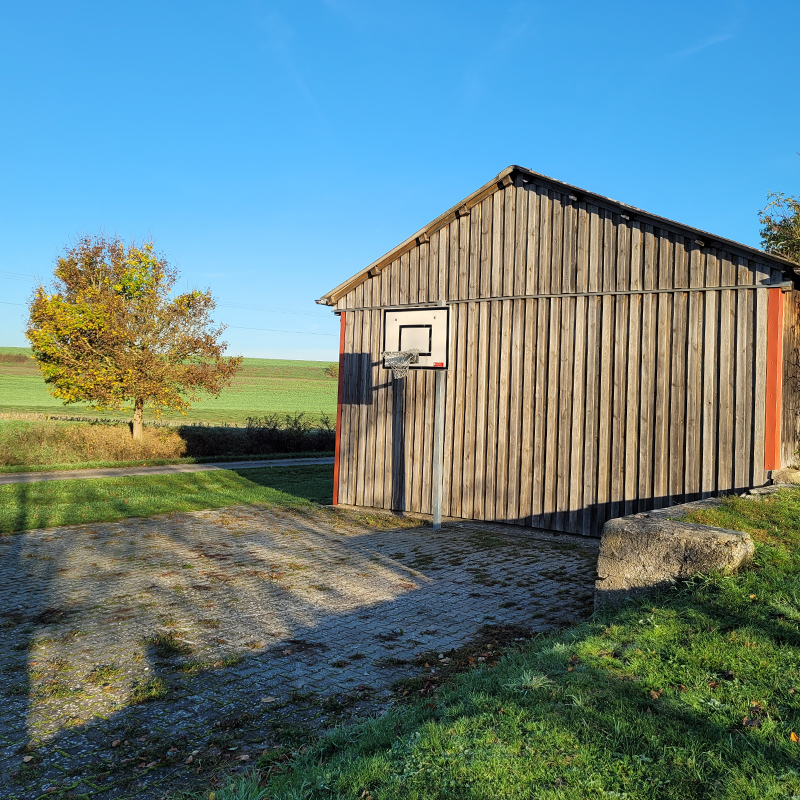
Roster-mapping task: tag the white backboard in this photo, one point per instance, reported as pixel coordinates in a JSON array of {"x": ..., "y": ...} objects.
[{"x": 423, "y": 329}]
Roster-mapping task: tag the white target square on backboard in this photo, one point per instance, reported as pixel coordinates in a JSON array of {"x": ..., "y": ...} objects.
[{"x": 420, "y": 328}]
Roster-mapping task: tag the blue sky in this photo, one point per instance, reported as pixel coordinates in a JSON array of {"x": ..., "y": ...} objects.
[{"x": 273, "y": 149}]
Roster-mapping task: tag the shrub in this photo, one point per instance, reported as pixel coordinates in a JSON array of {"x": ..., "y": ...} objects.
[{"x": 55, "y": 442}]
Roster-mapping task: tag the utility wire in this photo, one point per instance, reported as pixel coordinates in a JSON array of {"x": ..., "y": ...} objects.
[
  {"x": 17, "y": 276},
  {"x": 274, "y": 310},
  {"x": 276, "y": 330}
]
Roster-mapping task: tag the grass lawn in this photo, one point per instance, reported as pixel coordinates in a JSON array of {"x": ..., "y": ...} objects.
[
  {"x": 262, "y": 387},
  {"x": 694, "y": 693},
  {"x": 51, "y": 503}
]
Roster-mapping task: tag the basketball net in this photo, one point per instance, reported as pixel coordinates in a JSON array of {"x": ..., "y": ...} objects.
[{"x": 398, "y": 361}]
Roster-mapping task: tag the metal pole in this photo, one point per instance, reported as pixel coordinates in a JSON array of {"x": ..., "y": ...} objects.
[{"x": 438, "y": 448}]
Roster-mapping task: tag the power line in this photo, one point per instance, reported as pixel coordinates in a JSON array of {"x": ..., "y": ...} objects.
[
  {"x": 6, "y": 303},
  {"x": 274, "y": 310},
  {"x": 276, "y": 330},
  {"x": 17, "y": 276}
]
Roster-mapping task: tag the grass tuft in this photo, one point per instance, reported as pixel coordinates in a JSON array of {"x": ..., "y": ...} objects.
[
  {"x": 144, "y": 691},
  {"x": 103, "y": 673}
]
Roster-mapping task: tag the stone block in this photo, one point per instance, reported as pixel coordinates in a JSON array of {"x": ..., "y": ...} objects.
[
  {"x": 785, "y": 476},
  {"x": 643, "y": 553}
]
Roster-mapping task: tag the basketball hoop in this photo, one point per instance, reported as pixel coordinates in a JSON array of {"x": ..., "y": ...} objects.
[{"x": 398, "y": 361}]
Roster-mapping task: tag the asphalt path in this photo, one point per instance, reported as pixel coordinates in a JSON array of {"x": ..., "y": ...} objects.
[{"x": 167, "y": 469}]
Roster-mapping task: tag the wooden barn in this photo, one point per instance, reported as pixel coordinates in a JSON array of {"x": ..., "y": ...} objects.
[{"x": 602, "y": 361}]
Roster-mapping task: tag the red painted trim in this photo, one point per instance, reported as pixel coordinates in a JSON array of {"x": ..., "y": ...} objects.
[
  {"x": 338, "y": 412},
  {"x": 772, "y": 428}
]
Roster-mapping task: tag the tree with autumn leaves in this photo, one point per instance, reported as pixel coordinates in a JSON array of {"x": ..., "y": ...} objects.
[{"x": 109, "y": 332}]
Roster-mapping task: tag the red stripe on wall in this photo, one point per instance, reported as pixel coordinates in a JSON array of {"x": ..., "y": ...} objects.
[
  {"x": 772, "y": 432},
  {"x": 338, "y": 412}
]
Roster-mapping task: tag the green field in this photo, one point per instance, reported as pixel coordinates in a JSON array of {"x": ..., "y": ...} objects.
[{"x": 262, "y": 387}]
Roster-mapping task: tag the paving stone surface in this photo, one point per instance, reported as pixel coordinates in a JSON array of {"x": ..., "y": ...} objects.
[{"x": 138, "y": 658}]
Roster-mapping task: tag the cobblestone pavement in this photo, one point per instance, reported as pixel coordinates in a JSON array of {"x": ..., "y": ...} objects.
[{"x": 137, "y": 658}]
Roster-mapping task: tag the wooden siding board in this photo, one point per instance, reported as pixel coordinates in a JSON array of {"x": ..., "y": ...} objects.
[
  {"x": 346, "y": 439},
  {"x": 498, "y": 210},
  {"x": 503, "y": 410},
  {"x": 538, "y": 468},
  {"x": 708, "y": 453},
  {"x": 557, "y": 244},
  {"x": 481, "y": 410},
  {"x": 551, "y": 440},
  {"x": 527, "y": 411},
  {"x": 517, "y": 313},
  {"x": 574, "y": 521},
  {"x": 493, "y": 387},
  {"x": 693, "y": 376},
  {"x": 413, "y": 275},
  {"x": 677, "y": 420},
  {"x": 566, "y": 376},
  {"x": 449, "y": 418},
  {"x": 470, "y": 392},
  {"x": 509, "y": 222},
  {"x": 485, "y": 289},
  {"x": 663, "y": 360},
  {"x": 474, "y": 280},
  {"x": 649, "y": 335},
  {"x": 421, "y": 446},
  {"x": 458, "y": 413},
  {"x": 726, "y": 396},
  {"x": 432, "y": 295},
  {"x": 620, "y": 371},
  {"x": 444, "y": 262},
  {"x": 742, "y": 443},
  {"x": 533, "y": 203},
  {"x": 464, "y": 224},
  {"x": 634, "y": 366},
  {"x": 520, "y": 238},
  {"x": 545, "y": 241},
  {"x": 592, "y": 399}
]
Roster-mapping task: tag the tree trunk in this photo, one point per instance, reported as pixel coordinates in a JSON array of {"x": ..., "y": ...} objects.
[{"x": 138, "y": 416}]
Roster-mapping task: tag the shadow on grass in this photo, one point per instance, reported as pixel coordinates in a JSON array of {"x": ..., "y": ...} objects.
[{"x": 315, "y": 486}]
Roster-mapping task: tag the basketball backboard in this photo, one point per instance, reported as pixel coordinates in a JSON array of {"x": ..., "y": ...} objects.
[{"x": 420, "y": 328}]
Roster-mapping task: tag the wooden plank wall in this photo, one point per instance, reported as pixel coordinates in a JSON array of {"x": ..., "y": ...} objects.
[
  {"x": 790, "y": 408},
  {"x": 562, "y": 411}
]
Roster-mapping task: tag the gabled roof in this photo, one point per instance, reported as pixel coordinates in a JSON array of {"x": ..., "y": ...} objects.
[{"x": 505, "y": 178}]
